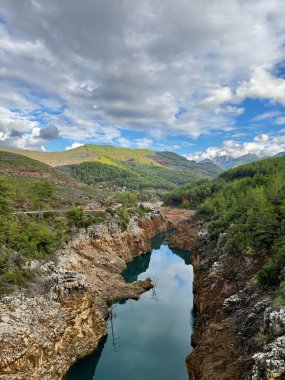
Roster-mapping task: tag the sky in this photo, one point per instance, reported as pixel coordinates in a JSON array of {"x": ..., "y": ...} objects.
[{"x": 201, "y": 78}]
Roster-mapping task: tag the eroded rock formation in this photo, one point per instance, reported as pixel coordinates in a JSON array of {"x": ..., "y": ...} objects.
[
  {"x": 238, "y": 334},
  {"x": 63, "y": 316}
]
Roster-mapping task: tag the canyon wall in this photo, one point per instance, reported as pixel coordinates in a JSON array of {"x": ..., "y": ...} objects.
[
  {"x": 62, "y": 316},
  {"x": 238, "y": 334}
]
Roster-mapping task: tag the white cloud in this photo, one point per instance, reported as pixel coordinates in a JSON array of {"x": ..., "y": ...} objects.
[
  {"x": 280, "y": 120},
  {"x": 133, "y": 65},
  {"x": 218, "y": 97},
  {"x": 143, "y": 143},
  {"x": 74, "y": 145},
  {"x": 266, "y": 116},
  {"x": 123, "y": 142},
  {"x": 262, "y": 85},
  {"x": 262, "y": 145}
]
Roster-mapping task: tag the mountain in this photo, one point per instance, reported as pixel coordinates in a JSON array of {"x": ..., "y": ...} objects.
[
  {"x": 136, "y": 169},
  {"x": 228, "y": 162},
  {"x": 280, "y": 154}
]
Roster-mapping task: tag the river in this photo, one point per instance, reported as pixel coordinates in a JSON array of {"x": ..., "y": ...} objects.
[{"x": 148, "y": 339}]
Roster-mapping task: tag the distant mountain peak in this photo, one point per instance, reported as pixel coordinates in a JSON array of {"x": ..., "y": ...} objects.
[{"x": 227, "y": 162}]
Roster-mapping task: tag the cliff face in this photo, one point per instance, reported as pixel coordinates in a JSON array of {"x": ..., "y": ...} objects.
[
  {"x": 63, "y": 317},
  {"x": 238, "y": 335}
]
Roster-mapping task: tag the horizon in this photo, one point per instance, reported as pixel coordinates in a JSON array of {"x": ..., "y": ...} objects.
[
  {"x": 3, "y": 148},
  {"x": 201, "y": 80}
]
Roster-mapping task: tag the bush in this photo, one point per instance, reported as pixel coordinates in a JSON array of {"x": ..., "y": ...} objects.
[{"x": 127, "y": 198}]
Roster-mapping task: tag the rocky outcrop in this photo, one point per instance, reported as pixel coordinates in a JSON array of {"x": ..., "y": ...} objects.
[
  {"x": 63, "y": 315},
  {"x": 270, "y": 363},
  {"x": 154, "y": 223},
  {"x": 238, "y": 335},
  {"x": 185, "y": 235}
]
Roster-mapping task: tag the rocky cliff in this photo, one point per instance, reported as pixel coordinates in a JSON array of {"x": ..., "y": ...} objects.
[
  {"x": 238, "y": 334},
  {"x": 63, "y": 314}
]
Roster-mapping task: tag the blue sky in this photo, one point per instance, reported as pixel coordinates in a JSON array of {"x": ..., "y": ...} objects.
[{"x": 200, "y": 78}]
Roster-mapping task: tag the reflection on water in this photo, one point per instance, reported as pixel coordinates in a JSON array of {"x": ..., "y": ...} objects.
[{"x": 152, "y": 335}]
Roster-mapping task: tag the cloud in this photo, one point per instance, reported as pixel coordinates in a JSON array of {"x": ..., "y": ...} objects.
[
  {"x": 74, "y": 145},
  {"x": 262, "y": 145},
  {"x": 49, "y": 133},
  {"x": 15, "y": 133},
  {"x": 144, "y": 143},
  {"x": 280, "y": 120},
  {"x": 266, "y": 116},
  {"x": 262, "y": 85},
  {"x": 99, "y": 67}
]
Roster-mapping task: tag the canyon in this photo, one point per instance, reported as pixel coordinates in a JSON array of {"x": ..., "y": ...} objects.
[{"x": 62, "y": 316}]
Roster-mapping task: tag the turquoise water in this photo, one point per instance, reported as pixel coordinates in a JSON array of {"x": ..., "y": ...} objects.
[{"x": 148, "y": 339}]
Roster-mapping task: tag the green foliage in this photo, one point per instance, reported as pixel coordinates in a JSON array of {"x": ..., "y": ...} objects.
[
  {"x": 126, "y": 198},
  {"x": 124, "y": 218},
  {"x": 6, "y": 195},
  {"x": 43, "y": 191},
  {"x": 31, "y": 238},
  {"x": 248, "y": 204},
  {"x": 271, "y": 272},
  {"x": 280, "y": 296},
  {"x": 77, "y": 217},
  {"x": 159, "y": 171},
  {"x": 111, "y": 211},
  {"x": 194, "y": 193}
]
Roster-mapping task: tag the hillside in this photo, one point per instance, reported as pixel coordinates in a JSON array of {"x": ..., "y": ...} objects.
[
  {"x": 248, "y": 204},
  {"x": 136, "y": 169},
  {"x": 24, "y": 174},
  {"x": 41, "y": 209}
]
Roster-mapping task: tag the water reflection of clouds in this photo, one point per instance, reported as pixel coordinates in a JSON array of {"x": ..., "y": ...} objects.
[
  {"x": 152, "y": 329},
  {"x": 156, "y": 335}
]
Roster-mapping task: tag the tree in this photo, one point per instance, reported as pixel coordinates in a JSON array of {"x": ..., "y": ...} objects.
[
  {"x": 6, "y": 195},
  {"x": 78, "y": 217},
  {"x": 43, "y": 191}
]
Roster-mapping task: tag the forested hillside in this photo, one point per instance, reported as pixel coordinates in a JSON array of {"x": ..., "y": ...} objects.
[
  {"x": 159, "y": 171},
  {"x": 135, "y": 169},
  {"x": 247, "y": 204},
  {"x": 132, "y": 175}
]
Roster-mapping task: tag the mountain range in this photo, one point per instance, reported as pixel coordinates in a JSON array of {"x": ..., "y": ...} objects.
[{"x": 227, "y": 162}]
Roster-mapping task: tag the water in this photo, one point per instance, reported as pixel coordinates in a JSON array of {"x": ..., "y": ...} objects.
[{"x": 148, "y": 339}]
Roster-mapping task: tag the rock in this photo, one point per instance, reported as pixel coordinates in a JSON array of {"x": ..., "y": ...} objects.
[
  {"x": 231, "y": 303},
  {"x": 203, "y": 237},
  {"x": 270, "y": 364},
  {"x": 274, "y": 321},
  {"x": 42, "y": 334},
  {"x": 5, "y": 318}
]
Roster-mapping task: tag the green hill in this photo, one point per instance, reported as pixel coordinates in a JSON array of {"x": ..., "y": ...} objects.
[{"x": 136, "y": 169}]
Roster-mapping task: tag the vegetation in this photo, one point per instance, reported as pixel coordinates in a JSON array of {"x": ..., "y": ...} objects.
[
  {"x": 248, "y": 205},
  {"x": 135, "y": 169},
  {"x": 110, "y": 155},
  {"x": 132, "y": 175},
  {"x": 32, "y": 181},
  {"x": 37, "y": 235}
]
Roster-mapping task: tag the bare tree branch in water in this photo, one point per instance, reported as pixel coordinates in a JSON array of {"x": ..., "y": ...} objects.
[
  {"x": 116, "y": 341},
  {"x": 153, "y": 290}
]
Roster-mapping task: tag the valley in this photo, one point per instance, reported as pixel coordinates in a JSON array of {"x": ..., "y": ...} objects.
[{"x": 65, "y": 244}]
